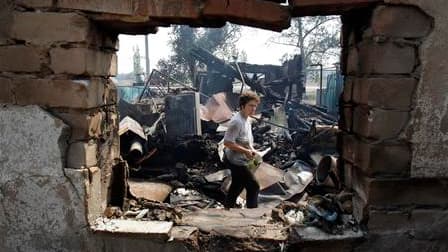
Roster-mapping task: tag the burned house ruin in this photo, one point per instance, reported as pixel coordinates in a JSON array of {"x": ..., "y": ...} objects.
[{"x": 60, "y": 149}]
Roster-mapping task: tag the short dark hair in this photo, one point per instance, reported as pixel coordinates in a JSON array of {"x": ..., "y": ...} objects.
[{"x": 247, "y": 97}]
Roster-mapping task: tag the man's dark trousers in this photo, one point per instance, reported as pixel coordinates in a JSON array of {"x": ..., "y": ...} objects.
[{"x": 242, "y": 178}]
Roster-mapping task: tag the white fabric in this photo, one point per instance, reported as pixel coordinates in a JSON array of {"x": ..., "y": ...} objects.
[{"x": 239, "y": 132}]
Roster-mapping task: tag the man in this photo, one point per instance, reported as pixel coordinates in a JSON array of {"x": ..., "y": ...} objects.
[{"x": 238, "y": 151}]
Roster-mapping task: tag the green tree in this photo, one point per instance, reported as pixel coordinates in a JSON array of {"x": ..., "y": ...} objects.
[
  {"x": 219, "y": 41},
  {"x": 317, "y": 39}
]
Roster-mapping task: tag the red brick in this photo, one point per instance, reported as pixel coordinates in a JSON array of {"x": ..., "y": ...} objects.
[
  {"x": 110, "y": 152},
  {"x": 388, "y": 221},
  {"x": 113, "y": 71},
  {"x": 132, "y": 25},
  {"x": 347, "y": 95},
  {"x": 60, "y": 93},
  {"x": 20, "y": 58},
  {"x": 399, "y": 242},
  {"x": 346, "y": 121},
  {"x": 348, "y": 175},
  {"x": 326, "y": 7},
  {"x": 6, "y": 20},
  {"x": 379, "y": 124},
  {"x": 84, "y": 125},
  {"x": 80, "y": 61},
  {"x": 255, "y": 13},
  {"x": 108, "y": 41},
  {"x": 383, "y": 159},
  {"x": 49, "y": 27},
  {"x": 6, "y": 95},
  {"x": 82, "y": 155},
  {"x": 125, "y": 7},
  {"x": 352, "y": 66},
  {"x": 360, "y": 209},
  {"x": 429, "y": 224},
  {"x": 110, "y": 93},
  {"x": 93, "y": 193},
  {"x": 423, "y": 224},
  {"x": 113, "y": 120},
  {"x": 35, "y": 3},
  {"x": 349, "y": 147},
  {"x": 400, "y": 21},
  {"x": 385, "y": 58},
  {"x": 383, "y": 192},
  {"x": 171, "y": 9},
  {"x": 351, "y": 39},
  {"x": 387, "y": 93}
]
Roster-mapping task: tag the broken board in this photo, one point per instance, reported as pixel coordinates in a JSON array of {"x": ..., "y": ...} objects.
[
  {"x": 155, "y": 191},
  {"x": 150, "y": 229},
  {"x": 266, "y": 176}
]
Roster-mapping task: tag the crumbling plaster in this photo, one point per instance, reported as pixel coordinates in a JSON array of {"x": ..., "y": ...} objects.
[
  {"x": 428, "y": 128},
  {"x": 42, "y": 204}
]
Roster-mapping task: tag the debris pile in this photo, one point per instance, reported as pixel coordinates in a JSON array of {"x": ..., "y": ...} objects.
[
  {"x": 173, "y": 147},
  {"x": 330, "y": 212}
]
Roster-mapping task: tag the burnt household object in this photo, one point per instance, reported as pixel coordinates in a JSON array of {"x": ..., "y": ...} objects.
[
  {"x": 140, "y": 112},
  {"x": 160, "y": 84},
  {"x": 280, "y": 82},
  {"x": 182, "y": 115},
  {"x": 225, "y": 70},
  {"x": 191, "y": 150},
  {"x": 155, "y": 191},
  {"x": 262, "y": 130},
  {"x": 327, "y": 174},
  {"x": 218, "y": 176},
  {"x": 330, "y": 216},
  {"x": 324, "y": 139},
  {"x": 132, "y": 141},
  {"x": 325, "y": 117},
  {"x": 216, "y": 109},
  {"x": 266, "y": 175},
  {"x": 274, "y": 82}
]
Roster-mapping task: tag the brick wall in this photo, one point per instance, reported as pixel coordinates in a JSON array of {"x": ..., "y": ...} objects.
[
  {"x": 61, "y": 61},
  {"x": 60, "y": 54},
  {"x": 382, "y": 65}
]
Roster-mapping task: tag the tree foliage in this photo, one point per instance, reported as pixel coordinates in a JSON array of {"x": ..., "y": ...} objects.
[
  {"x": 219, "y": 41},
  {"x": 317, "y": 38}
]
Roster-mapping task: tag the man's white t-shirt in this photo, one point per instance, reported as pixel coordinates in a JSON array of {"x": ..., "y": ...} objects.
[{"x": 239, "y": 132}]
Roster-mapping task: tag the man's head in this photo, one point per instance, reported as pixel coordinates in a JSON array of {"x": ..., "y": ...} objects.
[{"x": 248, "y": 103}]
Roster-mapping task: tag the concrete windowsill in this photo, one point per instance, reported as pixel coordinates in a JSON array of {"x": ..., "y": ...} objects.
[
  {"x": 237, "y": 223},
  {"x": 150, "y": 229}
]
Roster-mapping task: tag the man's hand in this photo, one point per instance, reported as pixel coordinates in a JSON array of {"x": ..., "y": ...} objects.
[{"x": 249, "y": 154}]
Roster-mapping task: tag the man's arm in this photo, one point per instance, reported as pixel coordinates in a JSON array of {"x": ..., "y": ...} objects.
[
  {"x": 230, "y": 140},
  {"x": 236, "y": 147}
]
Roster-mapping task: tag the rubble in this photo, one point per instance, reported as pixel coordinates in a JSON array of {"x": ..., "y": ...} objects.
[
  {"x": 179, "y": 176},
  {"x": 326, "y": 172},
  {"x": 113, "y": 212},
  {"x": 132, "y": 140},
  {"x": 152, "y": 211},
  {"x": 155, "y": 191}
]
